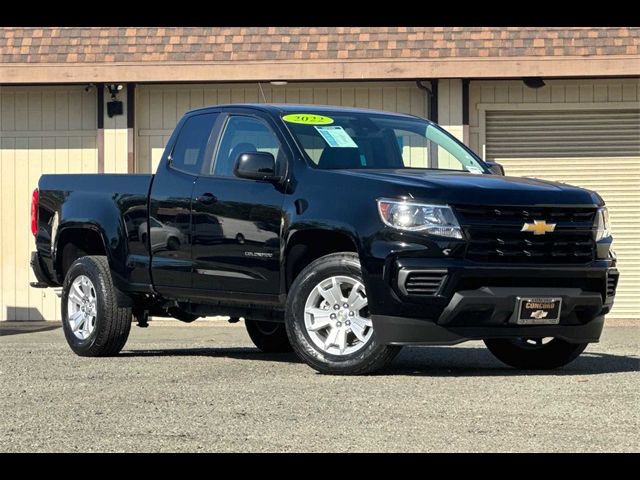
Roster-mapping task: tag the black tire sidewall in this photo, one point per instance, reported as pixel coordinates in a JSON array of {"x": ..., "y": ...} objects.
[
  {"x": 272, "y": 342},
  {"x": 85, "y": 266},
  {"x": 173, "y": 243},
  {"x": 332, "y": 265}
]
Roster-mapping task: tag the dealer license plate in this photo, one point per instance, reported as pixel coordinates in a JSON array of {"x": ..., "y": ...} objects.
[{"x": 538, "y": 311}]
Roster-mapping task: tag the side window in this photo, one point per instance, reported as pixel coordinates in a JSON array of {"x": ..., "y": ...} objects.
[
  {"x": 242, "y": 135},
  {"x": 417, "y": 150},
  {"x": 188, "y": 153}
]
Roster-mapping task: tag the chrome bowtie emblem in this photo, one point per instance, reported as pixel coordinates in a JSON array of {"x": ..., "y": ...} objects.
[{"x": 538, "y": 227}]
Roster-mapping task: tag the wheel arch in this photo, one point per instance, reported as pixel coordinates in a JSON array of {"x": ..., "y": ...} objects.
[
  {"x": 74, "y": 241},
  {"x": 306, "y": 245}
]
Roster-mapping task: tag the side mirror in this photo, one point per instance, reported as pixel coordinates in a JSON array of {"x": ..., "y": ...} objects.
[
  {"x": 256, "y": 166},
  {"x": 496, "y": 168}
]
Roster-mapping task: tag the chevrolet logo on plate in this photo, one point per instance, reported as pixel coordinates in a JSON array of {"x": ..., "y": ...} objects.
[{"x": 538, "y": 227}]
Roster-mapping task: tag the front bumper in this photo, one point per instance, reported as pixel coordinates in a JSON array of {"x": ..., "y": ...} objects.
[
  {"x": 453, "y": 300},
  {"x": 488, "y": 313}
]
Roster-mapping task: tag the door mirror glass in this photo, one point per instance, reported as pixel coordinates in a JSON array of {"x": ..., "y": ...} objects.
[
  {"x": 495, "y": 168},
  {"x": 256, "y": 166}
]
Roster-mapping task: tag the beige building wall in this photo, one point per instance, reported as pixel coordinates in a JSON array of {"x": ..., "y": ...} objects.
[
  {"x": 450, "y": 106},
  {"x": 42, "y": 130},
  {"x": 115, "y": 136}
]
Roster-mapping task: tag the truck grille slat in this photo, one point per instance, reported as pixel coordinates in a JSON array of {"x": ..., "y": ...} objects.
[
  {"x": 495, "y": 235},
  {"x": 422, "y": 282}
]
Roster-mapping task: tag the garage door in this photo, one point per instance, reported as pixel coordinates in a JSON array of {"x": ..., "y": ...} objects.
[
  {"x": 159, "y": 107},
  {"x": 42, "y": 130},
  {"x": 596, "y": 148}
]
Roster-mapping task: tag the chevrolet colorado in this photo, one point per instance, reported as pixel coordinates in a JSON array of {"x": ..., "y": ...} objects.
[{"x": 340, "y": 233}]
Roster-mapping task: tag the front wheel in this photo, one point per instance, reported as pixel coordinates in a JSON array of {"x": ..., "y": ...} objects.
[
  {"x": 535, "y": 353},
  {"x": 96, "y": 317},
  {"x": 328, "y": 319}
]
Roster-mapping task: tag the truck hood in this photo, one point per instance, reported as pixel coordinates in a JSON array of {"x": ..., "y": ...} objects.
[{"x": 482, "y": 189}]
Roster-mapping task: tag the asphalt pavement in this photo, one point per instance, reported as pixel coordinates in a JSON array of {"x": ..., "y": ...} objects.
[{"x": 204, "y": 387}]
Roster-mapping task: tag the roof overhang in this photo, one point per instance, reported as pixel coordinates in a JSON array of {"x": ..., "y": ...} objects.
[{"x": 315, "y": 70}]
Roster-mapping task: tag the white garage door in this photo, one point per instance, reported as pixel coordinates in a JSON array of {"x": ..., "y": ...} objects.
[
  {"x": 595, "y": 145},
  {"x": 159, "y": 107},
  {"x": 42, "y": 130}
]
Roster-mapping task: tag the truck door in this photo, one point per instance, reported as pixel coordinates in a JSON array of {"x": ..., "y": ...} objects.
[
  {"x": 237, "y": 222},
  {"x": 168, "y": 231}
]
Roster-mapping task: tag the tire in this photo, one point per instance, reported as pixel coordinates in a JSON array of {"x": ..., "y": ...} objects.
[
  {"x": 173, "y": 244},
  {"x": 523, "y": 354},
  {"x": 105, "y": 333},
  {"x": 359, "y": 356},
  {"x": 269, "y": 337}
]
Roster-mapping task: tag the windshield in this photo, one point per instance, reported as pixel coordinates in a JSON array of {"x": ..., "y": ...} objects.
[{"x": 367, "y": 140}]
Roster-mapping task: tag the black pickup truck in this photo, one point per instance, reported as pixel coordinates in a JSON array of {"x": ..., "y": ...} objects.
[{"x": 341, "y": 233}]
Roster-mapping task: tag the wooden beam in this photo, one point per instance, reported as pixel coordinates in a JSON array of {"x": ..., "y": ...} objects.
[{"x": 318, "y": 70}]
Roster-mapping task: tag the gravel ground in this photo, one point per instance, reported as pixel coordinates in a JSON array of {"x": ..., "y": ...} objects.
[{"x": 203, "y": 387}]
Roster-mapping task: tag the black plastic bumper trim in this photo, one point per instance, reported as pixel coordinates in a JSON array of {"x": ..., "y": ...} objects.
[
  {"x": 38, "y": 271},
  {"x": 413, "y": 331},
  {"x": 502, "y": 302}
]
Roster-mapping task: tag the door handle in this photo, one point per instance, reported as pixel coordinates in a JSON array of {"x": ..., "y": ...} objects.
[{"x": 207, "y": 198}]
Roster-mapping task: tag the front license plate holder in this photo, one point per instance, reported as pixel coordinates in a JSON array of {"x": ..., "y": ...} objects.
[{"x": 538, "y": 310}]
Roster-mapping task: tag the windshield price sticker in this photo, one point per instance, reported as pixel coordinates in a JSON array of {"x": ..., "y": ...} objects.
[
  {"x": 336, "y": 137},
  {"x": 307, "y": 119}
]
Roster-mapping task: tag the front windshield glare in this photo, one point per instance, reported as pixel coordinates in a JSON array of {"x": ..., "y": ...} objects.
[{"x": 360, "y": 140}]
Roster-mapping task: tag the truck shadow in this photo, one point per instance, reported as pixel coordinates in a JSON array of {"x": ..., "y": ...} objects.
[
  {"x": 240, "y": 353},
  {"x": 22, "y": 327},
  {"x": 427, "y": 361},
  {"x": 478, "y": 361}
]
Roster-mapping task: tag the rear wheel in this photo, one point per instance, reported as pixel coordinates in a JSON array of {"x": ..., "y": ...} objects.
[
  {"x": 96, "y": 317},
  {"x": 535, "y": 353},
  {"x": 269, "y": 337},
  {"x": 328, "y": 319}
]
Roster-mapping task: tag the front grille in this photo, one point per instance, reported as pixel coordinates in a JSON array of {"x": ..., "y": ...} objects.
[
  {"x": 495, "y": 235},
  {"x": 421, "y": 282},
  {"x": 612, "y": 283}
]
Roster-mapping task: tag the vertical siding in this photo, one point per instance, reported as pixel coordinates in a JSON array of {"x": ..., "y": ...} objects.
[
  {"x": 115, "y": 136},
  {"x": 615, "y": 178},
  {"x": 159, "y": 107},
  {"x": 42, "y": 130},
  {"x": 450, "y": 106}
]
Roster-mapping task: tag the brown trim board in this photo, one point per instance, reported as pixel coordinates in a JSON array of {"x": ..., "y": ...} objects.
[{"x": 318, "y": 70}]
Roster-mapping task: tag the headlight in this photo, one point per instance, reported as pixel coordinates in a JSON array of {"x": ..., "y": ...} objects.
[
  {"x": 602, "y": 224},
  {"x": 411, "y": 216}
]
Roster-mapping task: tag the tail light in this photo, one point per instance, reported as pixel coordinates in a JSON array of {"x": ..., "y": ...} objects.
[{"x": 34, "y": 212}]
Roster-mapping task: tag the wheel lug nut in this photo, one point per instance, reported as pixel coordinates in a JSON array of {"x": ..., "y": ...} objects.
[
  {"x": 339, "y": 324},
  {"x": 336, "y": 306},
  {"x": 347, "y": 323},
  {"x": 346, "y": 305},
  {"x": 333, "y": 316},
  {"x": 351, "y": 314}
]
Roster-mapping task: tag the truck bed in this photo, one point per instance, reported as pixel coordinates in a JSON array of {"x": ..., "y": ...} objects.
[{"x": 112, "y": 205}]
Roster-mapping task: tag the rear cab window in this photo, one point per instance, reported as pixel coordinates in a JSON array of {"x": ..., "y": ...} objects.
[{"x": 188, "y": 153}]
